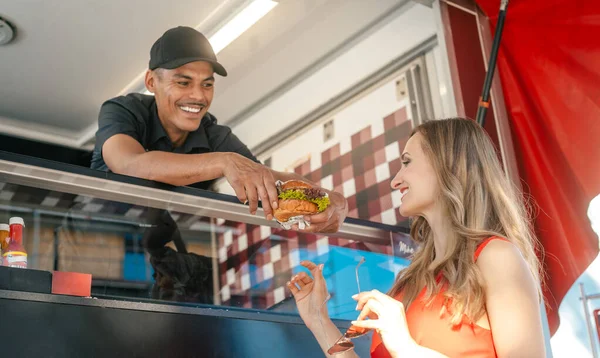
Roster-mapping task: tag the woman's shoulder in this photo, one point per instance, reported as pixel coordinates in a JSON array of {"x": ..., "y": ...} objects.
[
  {"x": 499, "y": 258},
  {"x": 483, "y": 244}
]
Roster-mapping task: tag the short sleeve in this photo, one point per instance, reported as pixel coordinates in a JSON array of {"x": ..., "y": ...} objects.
[
  {"x": 116, "y": 119},
  {"x": 113, "y": 119}
]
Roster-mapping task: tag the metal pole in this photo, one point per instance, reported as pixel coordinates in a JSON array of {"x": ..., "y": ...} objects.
[
  {"x": 484, "y": 101},
  {"x": 35, "y": 250},
  {"x": 588, "y": 321},
  {"x": 215, "y": 263},
  {"x": 56, "y": 255}
]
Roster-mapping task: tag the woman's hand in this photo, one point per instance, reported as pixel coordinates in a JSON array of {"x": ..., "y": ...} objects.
[
  {"x": 386, "y": 316},
  {"x": 310, "y": 294}
]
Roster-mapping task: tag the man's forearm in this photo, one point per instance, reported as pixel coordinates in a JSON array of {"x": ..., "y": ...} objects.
[{"x": 177, "y": 169}]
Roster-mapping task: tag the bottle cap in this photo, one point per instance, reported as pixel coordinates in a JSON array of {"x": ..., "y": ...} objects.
[{"x": 16, "y": 220}]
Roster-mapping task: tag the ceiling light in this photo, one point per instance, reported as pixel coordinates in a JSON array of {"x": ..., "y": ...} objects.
[
  {"x": 7, "y": 32},
  {"x": 240, "y": 23}
]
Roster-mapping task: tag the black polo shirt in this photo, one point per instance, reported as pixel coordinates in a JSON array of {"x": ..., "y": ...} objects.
[{"x": 136, "y": 116}]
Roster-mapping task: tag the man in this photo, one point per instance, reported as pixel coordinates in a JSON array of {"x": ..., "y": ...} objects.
[
  {"x": 170, "y": 137},
  {"x": 179, "y": 275}
]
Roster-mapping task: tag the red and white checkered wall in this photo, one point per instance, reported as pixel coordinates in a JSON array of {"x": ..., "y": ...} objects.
[{"x": 361, "y": 171}]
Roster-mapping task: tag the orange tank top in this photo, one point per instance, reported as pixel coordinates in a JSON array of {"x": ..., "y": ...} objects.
[{"x": 433, "y": 331}]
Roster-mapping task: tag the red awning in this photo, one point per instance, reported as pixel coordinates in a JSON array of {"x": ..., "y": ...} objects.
[{"x": 549, "y": 64}]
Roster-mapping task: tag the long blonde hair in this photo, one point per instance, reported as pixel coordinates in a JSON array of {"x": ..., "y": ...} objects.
[{"x": 480, "y": 202}]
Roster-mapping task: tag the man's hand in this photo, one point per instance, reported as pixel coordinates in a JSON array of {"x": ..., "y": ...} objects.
[
  {"x": 251, "y": 182},
  {"x": 330, "y": 220}
]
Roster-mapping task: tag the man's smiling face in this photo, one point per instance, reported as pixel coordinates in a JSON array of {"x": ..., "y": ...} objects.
[{"x": 183, "y": 95}]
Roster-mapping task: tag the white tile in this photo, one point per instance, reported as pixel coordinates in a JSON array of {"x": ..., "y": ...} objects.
[
  {"x": 199, "y": 226},
  {"x": 392, "y": 151},
  {"x": 50, "y": 201},
  {"x": 322, "y": 246},
  {"x": 222, "y": 254},
  {"x": 227, "y": 238},
  {"x": 133, "y": 213},
  {"x": 225, "y": 293},
  {"x": 345, "y": 145},
  {"x": 82, "y": 199},
  {"x": 315, "y": 161},
  {"x": 92, "y": 208},
  {"x": 382, "y": 172},
  {"x": 327, "y": 182},
  {"x": 242, "y": 242},
  {"x": 275, "y": 253},
  {"x": 349, "y": 187},
  {"x": 279, "y": 294},
  {"x": 294, "y": 258},
  {"x": 268, "y": 271},
  {"x": 245, "y": 282},
  {"x": 396, "y": 198},
  {"x": 231, "y": 276},
  {"x": 265, "y": 232},
  {"x": 389, "y": 217},
  {"x": 377, "y": 128}
]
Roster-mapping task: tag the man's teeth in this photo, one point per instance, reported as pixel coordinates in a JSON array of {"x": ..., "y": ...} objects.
[{"x": 190, "y": 109}]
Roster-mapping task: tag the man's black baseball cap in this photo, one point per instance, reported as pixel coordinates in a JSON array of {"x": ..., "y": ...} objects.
[{"x": 181, "y": 45}]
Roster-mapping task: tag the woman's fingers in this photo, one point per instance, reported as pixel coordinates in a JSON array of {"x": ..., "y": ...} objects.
[
  {"x": 292, "y": 287},
  {"x": 368, "y": 324},
  {"x": 365, "y": 312},
  {"x": 316, "y": 271},
  {"x": 300, "y": 281},
  {"x": 311, "y": 266},
  {"x": 373, "y": 310},
  {"x": 304, "y": 278},
  {"x": 364, "y": 297},
  {"x": 372, "y": 307}
]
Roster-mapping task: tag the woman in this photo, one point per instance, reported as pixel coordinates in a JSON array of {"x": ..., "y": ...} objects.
[{"x": 473, "y": 287}]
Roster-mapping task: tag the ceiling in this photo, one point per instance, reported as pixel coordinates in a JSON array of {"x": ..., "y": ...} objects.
[{"x": 72, "y": 55}]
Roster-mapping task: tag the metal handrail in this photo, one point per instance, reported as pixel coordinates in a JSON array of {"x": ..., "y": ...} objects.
[{"x": 185, "y": 202}]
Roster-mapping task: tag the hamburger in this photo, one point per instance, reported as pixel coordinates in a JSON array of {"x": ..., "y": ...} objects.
[{"x": 298, "y": 198}]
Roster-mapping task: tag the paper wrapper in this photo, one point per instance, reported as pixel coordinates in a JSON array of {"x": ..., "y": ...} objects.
[{"x": 302, "y": 224}]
